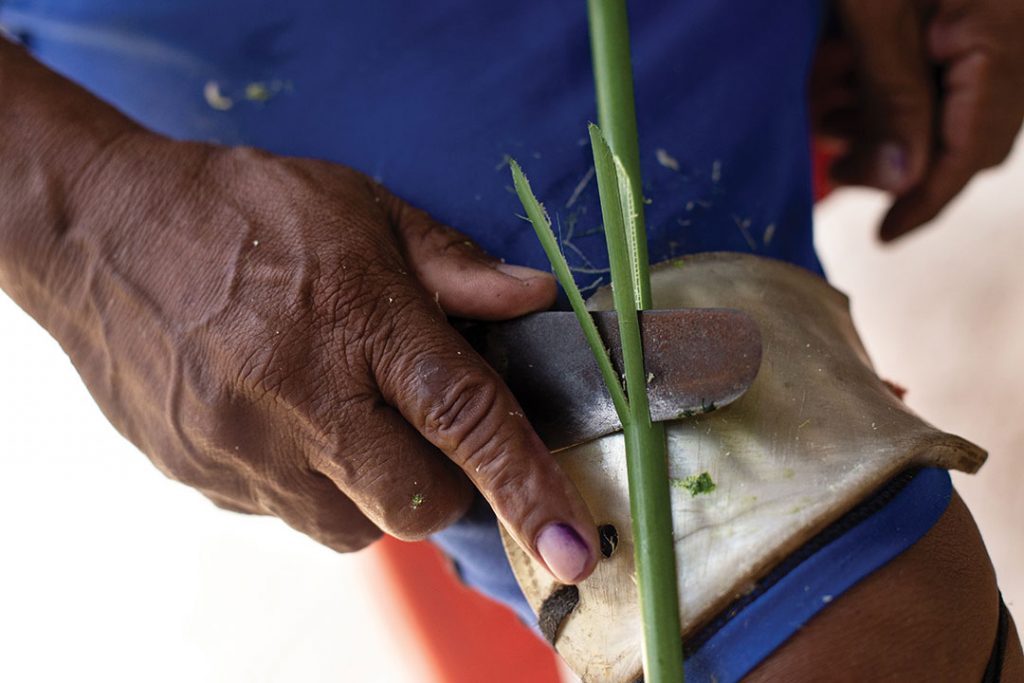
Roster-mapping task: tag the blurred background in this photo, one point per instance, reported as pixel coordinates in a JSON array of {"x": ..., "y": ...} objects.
[{"x": 112, "y": 573}]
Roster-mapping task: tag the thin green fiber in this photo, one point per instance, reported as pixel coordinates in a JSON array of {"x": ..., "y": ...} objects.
[
  {"x": 616, "y": 111},
  {"x": 646, "y": 451},
  {"x": 619, "y": 262},
  {"x": 632, "y": 220},
  {"x": 542, "y": 226}
]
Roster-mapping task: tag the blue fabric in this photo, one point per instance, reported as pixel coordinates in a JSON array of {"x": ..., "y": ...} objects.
[
  {"x": 431, "y": 98},
  {"x": 780, "y": 611}
]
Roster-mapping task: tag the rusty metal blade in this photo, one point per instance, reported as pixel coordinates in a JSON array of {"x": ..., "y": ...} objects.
[{"x": 697, "y": 360}]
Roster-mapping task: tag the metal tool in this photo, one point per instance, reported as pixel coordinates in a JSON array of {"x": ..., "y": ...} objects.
[{"x": 697, "y": 360}]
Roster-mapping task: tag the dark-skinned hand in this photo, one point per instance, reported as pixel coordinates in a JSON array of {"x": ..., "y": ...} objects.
[
  {"x": 918, "y": 96},
  {"x": 272, "y": 331}
]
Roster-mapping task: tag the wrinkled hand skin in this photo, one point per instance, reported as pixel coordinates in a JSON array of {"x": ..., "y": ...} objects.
[
  {"x": 918, "y": 96},
  {"x": 272, "y": 332}
]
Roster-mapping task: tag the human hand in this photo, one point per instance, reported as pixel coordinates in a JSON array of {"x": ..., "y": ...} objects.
[
  {"x": 917, "y": 96},
  {"x": 272, "y": 332}
]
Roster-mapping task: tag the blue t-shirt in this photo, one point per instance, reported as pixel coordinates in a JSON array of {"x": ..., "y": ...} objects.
[{"x": 432, "y": 98}]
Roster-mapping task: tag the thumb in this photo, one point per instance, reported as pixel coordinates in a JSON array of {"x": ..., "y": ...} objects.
[
  {"x": 897, "y": 92},
  {"x": 465, "y": 280}
]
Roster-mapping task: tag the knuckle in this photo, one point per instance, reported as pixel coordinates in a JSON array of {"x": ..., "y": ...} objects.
[
  {"x": 400, "y": 347},
  {"x": 338, "y": 463},
  {"x": 497, "y": 469},
  {"x": 424, "y": 235},
  {"x": 460, "y": 415},
  {"x": 245, "y": 155}
]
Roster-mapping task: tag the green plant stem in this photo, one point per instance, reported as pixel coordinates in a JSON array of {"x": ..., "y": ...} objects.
[
  {"x": 542, "y": 226},
  {"x": 646, "y": 454},
  {"x": 619, "y": 253},
  {"x": 616, "y": 112},
  {"x": 617, "y": 167},
  {"x": 650, "y": 506}
]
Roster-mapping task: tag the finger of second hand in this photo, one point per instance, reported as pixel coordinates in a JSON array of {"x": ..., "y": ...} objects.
[
  {"x": 945, "y": 179},
  {"x": 895, "y": 79},
  {"x": 970, "y": 132}
]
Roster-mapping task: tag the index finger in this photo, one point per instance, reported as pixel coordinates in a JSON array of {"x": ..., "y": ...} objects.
[{"x": 458, "y": 403}]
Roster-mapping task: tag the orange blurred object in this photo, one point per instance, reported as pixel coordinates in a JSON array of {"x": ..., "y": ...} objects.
[{"x": 462, "y": 636}]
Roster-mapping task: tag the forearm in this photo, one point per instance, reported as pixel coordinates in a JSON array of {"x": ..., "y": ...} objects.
[{"x": 51, "y": 134}]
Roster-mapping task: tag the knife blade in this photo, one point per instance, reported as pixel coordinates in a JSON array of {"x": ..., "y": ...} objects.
[{"x": 697, "y": 360}]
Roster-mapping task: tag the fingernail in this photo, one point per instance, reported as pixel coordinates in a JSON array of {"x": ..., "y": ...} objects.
[
  {"x": 892, "y": 166},
  {"x": 521, "y": 273},
  {"x": 563, "y": 551}
]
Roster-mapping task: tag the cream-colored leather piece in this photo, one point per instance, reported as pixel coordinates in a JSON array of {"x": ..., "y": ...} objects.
[{"x": 815, "y": 434}]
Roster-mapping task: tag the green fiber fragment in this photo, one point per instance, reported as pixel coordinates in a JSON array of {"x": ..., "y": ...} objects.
[
  {"x": 696, "y": 483},
  {"x": 417, "y": 500},
  {"x": 257, "y": 92}
]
